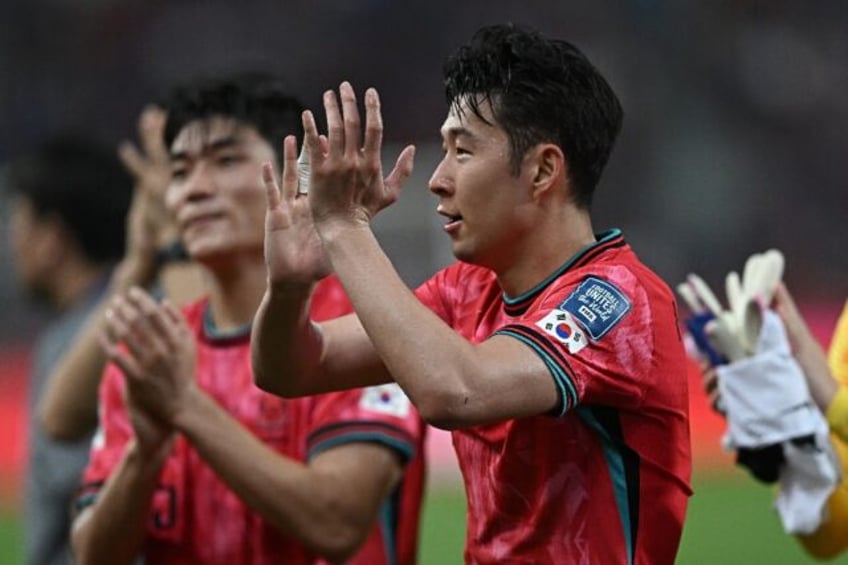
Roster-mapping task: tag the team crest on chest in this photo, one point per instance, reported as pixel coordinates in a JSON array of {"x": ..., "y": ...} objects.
[
  {"x": 562, "y": 326},
  {"x": 598, "y": 305}
]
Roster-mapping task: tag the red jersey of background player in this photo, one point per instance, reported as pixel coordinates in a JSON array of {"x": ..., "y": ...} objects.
[
  {"x": 196, "y": 518},
  {"x": 604, "y": 479}
]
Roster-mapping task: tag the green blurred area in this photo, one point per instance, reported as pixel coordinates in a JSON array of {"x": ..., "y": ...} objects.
[{"x": 730, "y": 522}]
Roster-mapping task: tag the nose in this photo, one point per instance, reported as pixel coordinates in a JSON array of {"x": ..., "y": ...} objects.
[
  {"x": 199, "y": 184},
  {"x": 440, "y": 181}
]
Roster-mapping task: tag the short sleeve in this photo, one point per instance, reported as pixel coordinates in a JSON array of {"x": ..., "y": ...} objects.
[
  {"x": 110, "y": 440},
  {"x": 379, "y": 414},
  {"x": 595, "y": 337}
]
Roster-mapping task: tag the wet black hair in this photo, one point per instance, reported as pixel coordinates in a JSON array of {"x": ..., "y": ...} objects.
[{"x": 539, "y": 90}]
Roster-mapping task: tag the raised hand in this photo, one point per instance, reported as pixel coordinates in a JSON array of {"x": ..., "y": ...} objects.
[
  {"x": 293, "y": 251},
  {"x": 154, "y": 347},
  {"x": 149, "y": 225},
  {"x": 347, "y": 187}
]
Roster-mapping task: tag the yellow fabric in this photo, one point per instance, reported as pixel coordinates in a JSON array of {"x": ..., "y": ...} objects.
[
  {"x": 837, "y": 413},
  {"x": 837, "y": 355},
  {"x": 832, "y": 536}
]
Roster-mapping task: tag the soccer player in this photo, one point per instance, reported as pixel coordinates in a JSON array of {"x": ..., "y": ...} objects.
[
  {"x": 551, "y": 351},
  {"x": 194, "y": 464},
  {"x": 67, "y": 409},
  {"x": 69, "y": 200},
  {"x": 827, "y": 378}
]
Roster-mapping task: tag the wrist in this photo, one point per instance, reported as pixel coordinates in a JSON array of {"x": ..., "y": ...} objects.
[
  {"x": 192, "y": 404},
  {"x": 334, "y": 228},
  {"x": 148, "y": 457},
  {"x": 136, "y": 270}
]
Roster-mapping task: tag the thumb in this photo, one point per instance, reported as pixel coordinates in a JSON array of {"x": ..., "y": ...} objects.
[{"x": 402, "y": 170}]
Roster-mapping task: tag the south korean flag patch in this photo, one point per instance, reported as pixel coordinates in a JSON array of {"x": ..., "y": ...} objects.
[
  {"x": 562, "y": 326},
  {"x": 385, "y": 399}
]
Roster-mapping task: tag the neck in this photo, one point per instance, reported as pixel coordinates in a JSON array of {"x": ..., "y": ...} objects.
[
  {"x": 553, "y": 240},
  {"x": 235, "y": 292}
]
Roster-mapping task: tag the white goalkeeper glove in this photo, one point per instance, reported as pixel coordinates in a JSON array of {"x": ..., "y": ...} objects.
[{"x": 729, "y": 335}]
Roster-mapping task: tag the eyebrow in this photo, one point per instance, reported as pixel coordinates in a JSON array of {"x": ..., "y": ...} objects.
[
  {"x": 457, "y": 131},
  {"x": 220, "y": 143}
]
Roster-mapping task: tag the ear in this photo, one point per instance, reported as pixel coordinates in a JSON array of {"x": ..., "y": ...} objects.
[
  {"x": 547, "y": 169},
  {"x": 54, "y": 241}
]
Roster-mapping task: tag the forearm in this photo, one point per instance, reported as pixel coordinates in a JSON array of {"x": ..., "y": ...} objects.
[
  {"x": 285, "y": 346},
  {"x": 114, "y": 529},
  {"x": 434, "y": 365},
  {"x": 813, "y": 361},
  {"x": 322, "y": 510}
]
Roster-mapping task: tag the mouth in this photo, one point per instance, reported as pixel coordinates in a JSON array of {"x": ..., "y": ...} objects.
[
  {"x": 453, "y": 221},
  {"x": 199, "y": 220}
]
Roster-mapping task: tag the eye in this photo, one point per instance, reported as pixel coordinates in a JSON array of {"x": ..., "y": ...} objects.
[
  {"x": 179, "y": 173},
  {"x": 460, "y": 151},
  {"x": 228, "y": 160}
]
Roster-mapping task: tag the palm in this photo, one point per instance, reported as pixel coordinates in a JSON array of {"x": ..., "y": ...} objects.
[{"x": 293, "y": 251}]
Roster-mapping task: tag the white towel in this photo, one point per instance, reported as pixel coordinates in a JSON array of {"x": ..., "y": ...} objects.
[{"x": 767, "y": 403}]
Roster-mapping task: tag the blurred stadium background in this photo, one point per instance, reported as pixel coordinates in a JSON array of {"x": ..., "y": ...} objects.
[{"x": 734, "y": 141}]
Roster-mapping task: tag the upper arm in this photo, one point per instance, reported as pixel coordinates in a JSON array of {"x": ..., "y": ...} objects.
[
  {"x": 348, "y": 358},
  {"x": 555, "y": 356},
  {"x": 510, "y": 381},
  {"x": 369, "y": 473}
]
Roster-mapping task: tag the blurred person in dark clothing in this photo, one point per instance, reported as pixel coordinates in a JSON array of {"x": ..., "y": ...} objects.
[{"x": 70, "y": 199}]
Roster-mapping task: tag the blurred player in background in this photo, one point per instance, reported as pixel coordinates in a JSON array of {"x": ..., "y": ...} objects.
[
  {"x": 192, "y": 463},
  {"x": 153, "y": 256},
  {"x": 552, "y": 351},
  {"x": 769, "y": 377},
  {"x": 826, "y": 376},
  {"x": 70, "y": 201}
]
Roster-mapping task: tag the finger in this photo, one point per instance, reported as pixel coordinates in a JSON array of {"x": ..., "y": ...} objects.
[
  {"x": 373, "y": 126},
  {"x": 272, "y": 191},
  {"x": 152, "y": 130},
  {"x": 735, "y": 295},
  {"x": 402, "y": 170},
  {"x": 688, "y": 295},
  {"x": 140, "y": 336},
  {"x": 290, "y": 172},
  {"x": 750, "y": 274},
  {"x": 131, "y": 158},
  {"x": 705, "y": 294},
  {"x": 772, "y": 272},
  {"x": 154, "y": 324},
  {"x": 303, "y": 171},
  {"x": 125, "y": 362},
  {"x": 350, "y": 115},
  {"x": 335, "y": 127},
  {"x": 317, "y": 146},
  {"x": 174, "y": 315},
  {"x": 179, "y": 324}
]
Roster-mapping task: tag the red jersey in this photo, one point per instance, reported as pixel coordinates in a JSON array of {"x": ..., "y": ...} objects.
[
  {"x": 196, "y": 518},
  {"x": 604, "y": 479}
]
